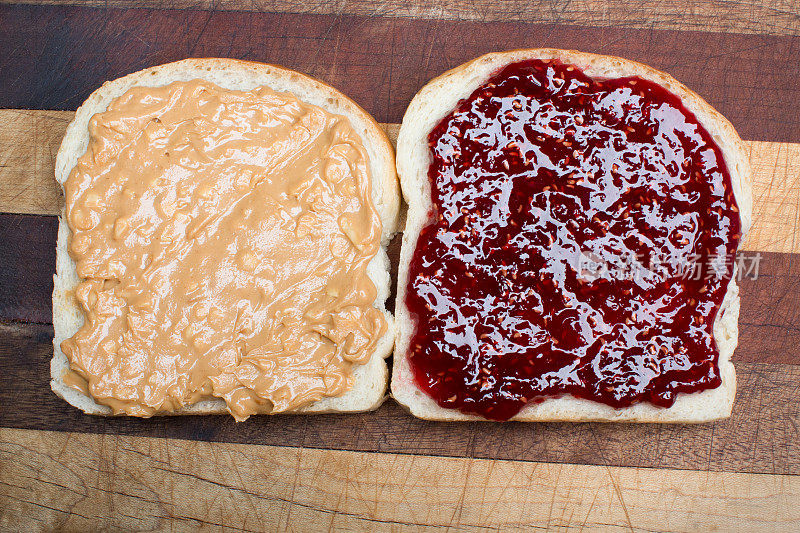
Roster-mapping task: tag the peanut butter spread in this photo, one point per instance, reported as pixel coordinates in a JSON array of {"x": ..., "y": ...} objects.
[{"x": 222, "y": 238}]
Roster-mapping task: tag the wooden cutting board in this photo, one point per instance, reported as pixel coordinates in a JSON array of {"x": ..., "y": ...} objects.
[{"x": 386, "y": 470}]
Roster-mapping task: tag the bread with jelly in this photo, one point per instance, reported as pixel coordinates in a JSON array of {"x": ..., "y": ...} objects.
[{"x": 439, "y": 99}]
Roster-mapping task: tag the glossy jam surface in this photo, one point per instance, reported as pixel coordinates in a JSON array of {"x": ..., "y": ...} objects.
[{"x": 581, "y": 241}]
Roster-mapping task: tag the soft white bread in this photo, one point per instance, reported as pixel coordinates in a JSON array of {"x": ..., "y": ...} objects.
[
  {"x": 369, "y": 388},
  {"x": 439, "y": 98}
]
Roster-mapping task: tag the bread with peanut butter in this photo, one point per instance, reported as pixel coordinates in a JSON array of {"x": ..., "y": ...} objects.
[
  {"x": 516, "y": 167},
  {"x": 223, "y": 246}
]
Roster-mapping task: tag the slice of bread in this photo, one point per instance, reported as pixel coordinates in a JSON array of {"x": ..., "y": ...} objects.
[
  {"x": 370, "y": 383},
  {"x": 439, "y": 98}
]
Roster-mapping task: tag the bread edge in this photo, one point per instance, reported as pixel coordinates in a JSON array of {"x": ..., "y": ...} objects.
[
  {"x": 437, "y": 99},
  {"x": 371, "y": 379}
]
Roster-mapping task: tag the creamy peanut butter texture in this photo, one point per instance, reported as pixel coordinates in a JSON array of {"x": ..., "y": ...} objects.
[{"x": 222, "y": 238}]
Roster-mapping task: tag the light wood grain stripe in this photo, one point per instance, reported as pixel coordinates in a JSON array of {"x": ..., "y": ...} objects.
[
  {"x": 29, "y": 141},
  {"x": 87, "y": 482},
  {"x": 762, "y": 17}
]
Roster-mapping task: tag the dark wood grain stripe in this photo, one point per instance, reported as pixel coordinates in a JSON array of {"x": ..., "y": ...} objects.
[
  {"x": 761, "y": 437},
  {"x": 27, "y": 265},
  {"x": 769, "y": 320},
  {"x": 54, "y": 56},
  {"x": 772, "y": 18}
]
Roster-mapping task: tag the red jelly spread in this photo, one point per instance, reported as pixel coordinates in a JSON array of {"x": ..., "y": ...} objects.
[{"x": 581, "y": 241}]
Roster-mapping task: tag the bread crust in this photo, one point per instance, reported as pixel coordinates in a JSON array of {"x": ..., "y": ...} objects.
[
  {"x": 369, "y": 390},
  {"x": 435, "y": 101}
]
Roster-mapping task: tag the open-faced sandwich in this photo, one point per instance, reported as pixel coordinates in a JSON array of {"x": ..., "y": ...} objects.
[{"x": 569, "y": 249}]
